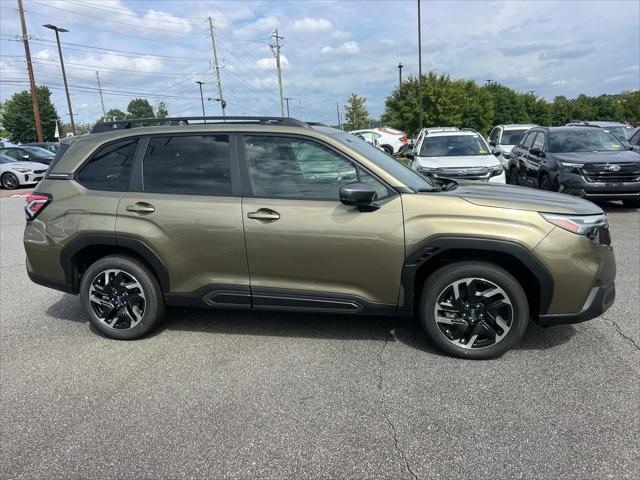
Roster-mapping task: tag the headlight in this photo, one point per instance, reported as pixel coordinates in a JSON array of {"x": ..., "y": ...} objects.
[
  {"x": 571, "y": 165},
  {"x": 496, "y": 170},
  {"x": 22, "y": 170},
  {"x": 579, "y": 224}
]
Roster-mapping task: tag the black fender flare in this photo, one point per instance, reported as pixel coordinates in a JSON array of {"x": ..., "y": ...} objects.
[
  {"x": 135, "y": 245},
  {"x": 437, "y": 246}
]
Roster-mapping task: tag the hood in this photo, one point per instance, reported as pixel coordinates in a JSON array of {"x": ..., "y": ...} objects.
[
  {"x": 458, "y": 162},
  {"x": 29, "y": 165},
  {"x": 624, "y": 156},
  {"x": 506, "y": 148},
  {"x": 522, "y": 198}
]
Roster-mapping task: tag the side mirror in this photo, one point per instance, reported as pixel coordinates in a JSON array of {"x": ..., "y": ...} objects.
[
  {"x": 409, "y": 155},
  {"x": 359, "y": 195},
  {"x": 26, "y": 157},
  {"x": 536, "y": 151},
  {"x": 496, "y": 153},
  {"x": 492, "y": 143}
]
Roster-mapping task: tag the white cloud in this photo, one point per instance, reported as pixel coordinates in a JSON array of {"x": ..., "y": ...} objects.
[
  {"x": 560, "y": 82},
  {"x": 311, "y": 25},
  {"x": 269, "y": 63},
  {"x": 617, "y": 78},
  {"x": 260, "y": 26},
  {"x": 349, "y": 48}
]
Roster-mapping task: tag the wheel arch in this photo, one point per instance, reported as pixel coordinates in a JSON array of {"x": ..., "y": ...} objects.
[
  {"x": 516, "y": 259},
  {"x": 82, "y": 251}
]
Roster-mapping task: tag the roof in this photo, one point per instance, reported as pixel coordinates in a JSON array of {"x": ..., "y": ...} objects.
[
  {"x": 518, "y": 126},
  {"x": 453, "y": 133}
]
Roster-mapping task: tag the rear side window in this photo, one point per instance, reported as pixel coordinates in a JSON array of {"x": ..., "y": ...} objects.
[
  {"x": 188, "y": 165},
  {"x": 110, "y": 167}
]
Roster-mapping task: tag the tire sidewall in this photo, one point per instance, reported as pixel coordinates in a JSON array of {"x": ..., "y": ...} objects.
[
  {"x": 8, "y": 175},
  {"x": 440, "y": 279},
  {"x": 154, "y": 306}
]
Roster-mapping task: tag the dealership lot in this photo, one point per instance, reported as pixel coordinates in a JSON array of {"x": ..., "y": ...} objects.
[{"x": 238, "y": 395}]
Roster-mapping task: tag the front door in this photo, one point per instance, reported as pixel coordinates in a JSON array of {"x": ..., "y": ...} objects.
[
  {"x": 184, "y": 203},
  {"x": 306, "y": 250}
]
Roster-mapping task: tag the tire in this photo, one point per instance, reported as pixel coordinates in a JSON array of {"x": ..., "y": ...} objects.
[
  {"x": 513, "y": 176},
  {"x": 544, "y": 183},
  {"x": 128, "y": 305},
  {"x": 631, "y": 203},
  {"x": 10, "y": 181},
  {"x": 493, "y": 337}
]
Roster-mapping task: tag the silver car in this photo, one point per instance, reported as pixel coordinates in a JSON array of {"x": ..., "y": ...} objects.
[{"x": 14, "y": 173}]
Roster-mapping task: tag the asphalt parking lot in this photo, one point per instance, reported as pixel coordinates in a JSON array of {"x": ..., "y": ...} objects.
[{"x": 237, "y": 395}]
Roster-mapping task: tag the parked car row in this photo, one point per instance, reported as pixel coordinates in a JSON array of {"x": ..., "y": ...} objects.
[
  {"x": 388, "y": 139},
  {"x": 14, "y": 173}
]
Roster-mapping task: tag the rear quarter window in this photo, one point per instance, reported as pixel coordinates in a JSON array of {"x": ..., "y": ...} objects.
[{"x": 110, "y": 167}]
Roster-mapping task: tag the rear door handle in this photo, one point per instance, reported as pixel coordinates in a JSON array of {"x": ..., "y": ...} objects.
[
  {"x": 264, "y": 214},
  {"x": 141, "y": 207}
]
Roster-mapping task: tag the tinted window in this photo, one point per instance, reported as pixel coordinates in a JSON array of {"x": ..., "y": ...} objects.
[
  {"x": 495, "y": 133},
  {"x": 511, "y": 137},
  {"x": 584, "y": 140},
  {"x": 298, "y": 168},
  {"x": 6, "y": 159},
  {"x": 528, "y": 141},
  {"x": 110, "y": 167},
  {"x": 189, "y": 165},
  {"x": 539, "y": 141}
]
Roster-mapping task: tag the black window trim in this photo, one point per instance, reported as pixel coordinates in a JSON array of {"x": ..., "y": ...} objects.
[
  {"x": 247, "y": 188},
  {"x": 95, "y": 151},
  {"x": 136, "y": 183}
]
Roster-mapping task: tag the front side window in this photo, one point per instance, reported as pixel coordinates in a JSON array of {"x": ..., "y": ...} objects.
[
  {"x": 539, "y": 141},
  {"x": 584, "y": 140},
  {"x": 187, "y": 165},
  {"x": 454, "y": 146},
  {"x": 528, "y": 142},
  {"x": 110, "y": 167},
  {"x": 291, "y": 167}
]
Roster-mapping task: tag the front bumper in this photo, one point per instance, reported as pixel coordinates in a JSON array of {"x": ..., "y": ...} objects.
[
  {"x": 599, "y": 300},
  {"x": 575, "y": 184},
  {"x": 28, "y": 178}
]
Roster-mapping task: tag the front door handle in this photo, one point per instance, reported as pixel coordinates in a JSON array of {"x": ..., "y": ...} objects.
[
  {"x": 264, "y": 214},
  {"x": 141, "y": 207}
]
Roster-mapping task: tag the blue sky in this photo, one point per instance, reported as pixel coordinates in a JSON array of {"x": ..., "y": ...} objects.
[{"x": 330, "y": 49}]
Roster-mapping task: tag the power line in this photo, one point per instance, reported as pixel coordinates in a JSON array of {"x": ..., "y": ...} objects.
[{"x": 131, "y": 13}]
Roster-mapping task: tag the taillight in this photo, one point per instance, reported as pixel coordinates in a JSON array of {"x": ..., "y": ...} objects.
[{"x": 36, "y": 203}]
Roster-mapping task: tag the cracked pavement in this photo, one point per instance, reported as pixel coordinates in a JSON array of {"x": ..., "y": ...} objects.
[{"x": 266, "y": 395}]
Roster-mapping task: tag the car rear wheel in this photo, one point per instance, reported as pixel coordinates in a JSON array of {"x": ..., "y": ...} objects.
[
  {"x": 513, "y": 176},
  {"x": 544, "y": 182},
  {"x": 10, "y": 181},
  {"x": 121, "y": 297},
  {"x": 474, "y": 310}
]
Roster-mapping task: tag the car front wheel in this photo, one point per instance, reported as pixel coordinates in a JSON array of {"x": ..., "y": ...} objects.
[
  {"x": 474, "y": 310},
  {"x": 121, "y": 297},
  {"x": 10, "y": 181}
]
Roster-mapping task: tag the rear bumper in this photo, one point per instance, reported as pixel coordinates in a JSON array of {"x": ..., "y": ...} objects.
[
  {"x": 599, "y": 300},
  {"x": 49, "y": 282}
]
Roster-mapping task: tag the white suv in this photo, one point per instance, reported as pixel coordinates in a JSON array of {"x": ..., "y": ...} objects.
[
  {"x": 389, "y": 139},
  {"x": 460, "y": 155},
  {"x": 503, "y": 137}
]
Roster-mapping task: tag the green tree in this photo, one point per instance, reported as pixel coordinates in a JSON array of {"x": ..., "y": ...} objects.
[
  {"x": 114, "y": 114},
  {"x": 508, "y": 105},
  {"x": 140, "y": 108},
  {"x": 19, "y": 121},
  {"x": 355, "y": 112},
  {"x": 161, "y": 110}
]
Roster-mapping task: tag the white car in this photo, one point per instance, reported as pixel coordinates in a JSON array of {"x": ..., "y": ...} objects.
[
  {"x": 459, "y": 155},
  {"x": 503, "y": 138},
  {"x": 389, "y": 139},
  {"x": 14, "y": 173}
]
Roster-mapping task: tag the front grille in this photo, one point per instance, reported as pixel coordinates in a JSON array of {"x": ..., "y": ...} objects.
[
  {"x": 602, "y": 172},
  {"x": 475, "y": 173}
]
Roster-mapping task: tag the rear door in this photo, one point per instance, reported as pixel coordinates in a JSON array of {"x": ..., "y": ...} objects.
[
  {"x": 184, "y": 204},
  {"x": 306, "y": 250},
  {"x": 534, "y": 160}
]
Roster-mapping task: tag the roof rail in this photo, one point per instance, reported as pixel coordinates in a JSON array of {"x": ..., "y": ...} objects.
[
  {"x": 467, "y": 129},
  {"x": 108, "y": 126}
]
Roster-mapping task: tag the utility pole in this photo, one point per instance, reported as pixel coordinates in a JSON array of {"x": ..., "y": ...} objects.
[
  {"x": 420, "y": 65},
  {"x": 223, "y": 104},
  {"x": 338, "y": 112},
  {"x": 64, "y": 75},
  {"x": 104, "y": 112},
  {"x": 276, "y": 53},
  {"x": 201, "y": 97},
  {"x": 32, "y": 81},
  {"x": 400, "y": 74},
  {"x": 287, "y": 100}
]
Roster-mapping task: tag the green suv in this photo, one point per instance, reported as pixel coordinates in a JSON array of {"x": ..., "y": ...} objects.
[{"x": 275, "y": 214}]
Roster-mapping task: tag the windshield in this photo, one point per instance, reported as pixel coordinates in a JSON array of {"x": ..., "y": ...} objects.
[
  {"x": 5, "y": 158},
  {"x": 511, "y": 137},
  {"x": 587, "y": 140},
  {"x": 407, "y": 176},
  {"x": 454, "y": 146},
  {"x": 40, "y": 152},
  {"x": 624, "y": 133}
]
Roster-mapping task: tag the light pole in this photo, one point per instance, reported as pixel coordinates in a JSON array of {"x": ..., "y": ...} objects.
[
  {"x": 400, "y": 74},
  {"x": 201, "y": 97},
  {"x": 64, "y": 75}
]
